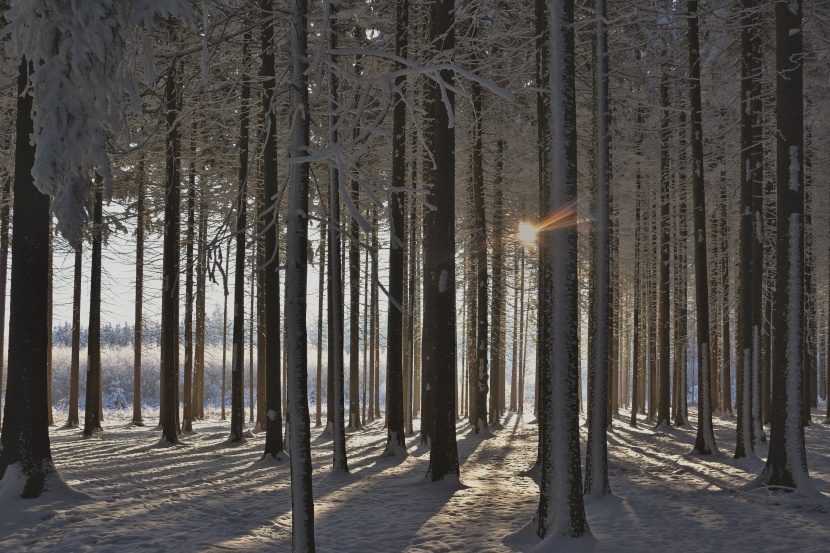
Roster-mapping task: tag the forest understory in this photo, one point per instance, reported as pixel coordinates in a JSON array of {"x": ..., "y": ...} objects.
[{"x": 210, "y": 495}]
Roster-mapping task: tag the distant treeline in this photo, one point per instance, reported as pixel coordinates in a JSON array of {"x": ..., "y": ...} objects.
[{"x": 122, "y": 335}]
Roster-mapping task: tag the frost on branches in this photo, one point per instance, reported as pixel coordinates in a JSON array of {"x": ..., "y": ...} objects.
[{"x": 84, "y": 55}]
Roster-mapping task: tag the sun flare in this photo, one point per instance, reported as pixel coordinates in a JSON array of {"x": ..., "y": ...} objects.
[{"x": 527, "y": 233}]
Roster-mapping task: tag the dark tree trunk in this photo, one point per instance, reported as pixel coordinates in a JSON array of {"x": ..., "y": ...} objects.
[
  {"x": 596, "y": 459},
  {"x": 271, "y": 313},
  {"x": 5, "y": 208},
  {"x": 705, "y": 440},
  {"x": 92, "y": 415},
  {"x": 664, "y": 241},
  {"x": 25, "y": 437},
  {"x": 199, "y": 360},
  {"x": 170, "y": 292},
  {"x": 682, "y": 339},
  {"x": 497, "y": 376},
  {"x": 561, "y": 507},
  {"x": 320, "y": 297},
  {"x": 746, "y": 270},
  {"x": 480, "y": 384},
  {"x": 302, "y": 501},
  {"x": 635, "y": 321},
  {"x": 139, "y": 293},
  {"x": 726, "y": 342},
  {"x": 337, "y": 414},
  {"x": 238, "y": 340},
  {"x": 187, "y": 396},
  {"x": 396, "y": 437},
  {"x": 225, "y": 334},
  {"x": 73, "y": 420},
  {"x": 439, "y": 261},
  {"x": 786, "y": 464}
]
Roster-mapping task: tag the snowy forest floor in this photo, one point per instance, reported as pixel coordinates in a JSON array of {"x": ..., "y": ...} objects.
[{"x": 209, "y": 496}]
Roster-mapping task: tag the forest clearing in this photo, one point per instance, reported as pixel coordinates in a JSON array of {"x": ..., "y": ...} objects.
[{"x": 213, "y": 496}]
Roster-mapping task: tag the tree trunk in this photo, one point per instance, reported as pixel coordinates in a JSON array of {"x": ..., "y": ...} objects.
[
  {"x": 439, "y": 260},
  {"x": 478, "y": 418},
  {"x": 664, "y": 241},
  {"x": 786, "y": 464},
  {"x": 320, "y": 296},
  {"x": 726, "y": 342},
  {"x": 302, "y": 502},
  {"x": 635, "y": 322},
  {"x": 225, "y": 334},
  {"x": 190, "y": 237},
  {"x": 746, "y": 269},
  {"x": 497, "y": 376},
  {"x": 395, "y": 437},
  {"x": 238, "y": 350},
  {"x": 271, "y": 313},
  {"x": 561, "y": 509},
  {"x": 92, "y": 419},
  {"x": 5, "y": 208},
  {"x": 596, "y": 459},
  {"x": 73, "y": 420},
  {"x": 198, "y": 391},
  {"x": 705, "y": 439},
  {"x": 336, "y": 300},
  {"x": 25, "y": 437},
  {"x": 139, "y": 293}
]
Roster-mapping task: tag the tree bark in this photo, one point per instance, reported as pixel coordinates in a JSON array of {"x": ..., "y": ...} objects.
[
  {"x": 439, "y": 259},
  {"x": 92, "y": 418},
  {"x": 396, "y": 437},
  {"x": 302, "y": 501},
  {"x": 271, "y": 313},
  {"x": 705, "y": 439},
  {"x": 25, "y": 437},
  {"x": 139, "y": 293},
  {"x": 786, "y": 464},
  {"x": 238, "y": 349}
]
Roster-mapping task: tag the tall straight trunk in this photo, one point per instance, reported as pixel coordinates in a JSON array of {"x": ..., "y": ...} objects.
[
  {"x": 808, "y": 331},
  {"x": 271, "y": 313},
  {"x": 726, "y": 342},
  {"x": 190, "y": 236},
  {"x": 635, "y": 320},
  {"x": 168, "y": 409},
  {"x": 515, "y": 340},
  {"x": 596, "y": 459},
  {"x": 92, "y": 420},
  {"x": 5, "y": 208},
  {"x": 73, "y": 420},
  {"x": 652, "y": 309},
  {"x": 713, "y": 255},
  {"x": 252, "y": 334},
  {"x": 439, "y": 259},
  {"x": 354, "y": 316},
  {"x": 25, "y": 437},
  {"x": 478, "y": 418},
  {"x": 395, "y": 437},
  {"x": 318, "y": 422},
  {"x": 705, "y": 439},
  {"x": 139, "y": 292},
  {"x": 366, "y": 337},
  {"x": 497, "y": 376},
  {"x": 747, "y": 275},
  {"x": 759, "y": 235},
  {"x": 238, "y": 349},
  {"x": 681, "y": 291},
  {"x": 561, "y": 508},
  {"x": 225, "y": 333},
  {"x": 259, "y": 277},
  {"x": 49, "y": 301},
  {"x": 373, "y": 321},
  {"x": 302, "y": 501},
  {"x": 786, "y": 464},
  {"x": 201, "y": 277},
  {"x": 664, "y": 242},
  {"x": 337, "y": 413}
]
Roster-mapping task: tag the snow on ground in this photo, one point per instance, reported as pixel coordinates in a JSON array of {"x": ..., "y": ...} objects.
[{"x": 210, "y": 496}]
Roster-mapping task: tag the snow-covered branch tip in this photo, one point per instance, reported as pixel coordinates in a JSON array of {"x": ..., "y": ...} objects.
[{"x": 82, "y": 68}]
